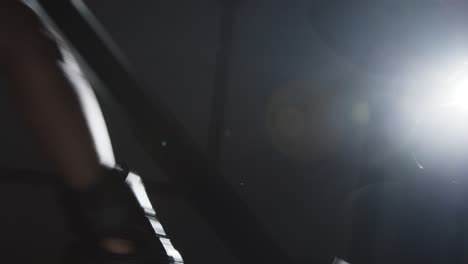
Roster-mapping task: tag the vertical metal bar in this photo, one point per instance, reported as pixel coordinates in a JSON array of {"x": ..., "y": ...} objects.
[{"x": 221, "y": 79}]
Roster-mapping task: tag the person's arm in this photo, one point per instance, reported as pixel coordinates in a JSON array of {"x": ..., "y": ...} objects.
[{"x": 30, "y": 63}]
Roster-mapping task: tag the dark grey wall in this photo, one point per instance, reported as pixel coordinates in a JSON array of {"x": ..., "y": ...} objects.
[{"x": 172, "y": 45}]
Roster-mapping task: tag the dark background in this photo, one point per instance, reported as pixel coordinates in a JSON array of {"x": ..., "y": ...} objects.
[{"x": 313, "y": 107}]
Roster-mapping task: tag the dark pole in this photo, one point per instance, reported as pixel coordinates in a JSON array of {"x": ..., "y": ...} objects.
[{"x": 221, "y": 79}]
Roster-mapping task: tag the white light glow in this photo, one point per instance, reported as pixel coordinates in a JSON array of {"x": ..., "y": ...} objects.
[
  {"x": 457, "y": 88},
  {"x": 171, "y": 251},
  {"x": 441, "y": 131},
  {"x": 136, "y": 184},
  {"x": 91, "y": 109}
]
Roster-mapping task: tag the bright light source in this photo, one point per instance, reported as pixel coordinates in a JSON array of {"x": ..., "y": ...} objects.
[
  {"x": 458, "y": 90},
  {"x": 441, "y": 133}
]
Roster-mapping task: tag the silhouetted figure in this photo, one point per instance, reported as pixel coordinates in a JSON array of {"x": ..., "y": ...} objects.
[{"x": 109, "y": 215}]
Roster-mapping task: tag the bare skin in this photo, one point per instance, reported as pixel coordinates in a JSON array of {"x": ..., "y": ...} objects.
[{"x": 46, "y": 99}]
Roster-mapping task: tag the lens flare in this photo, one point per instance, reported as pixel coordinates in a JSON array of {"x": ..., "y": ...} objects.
[{"x": 441, "y": 134}]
